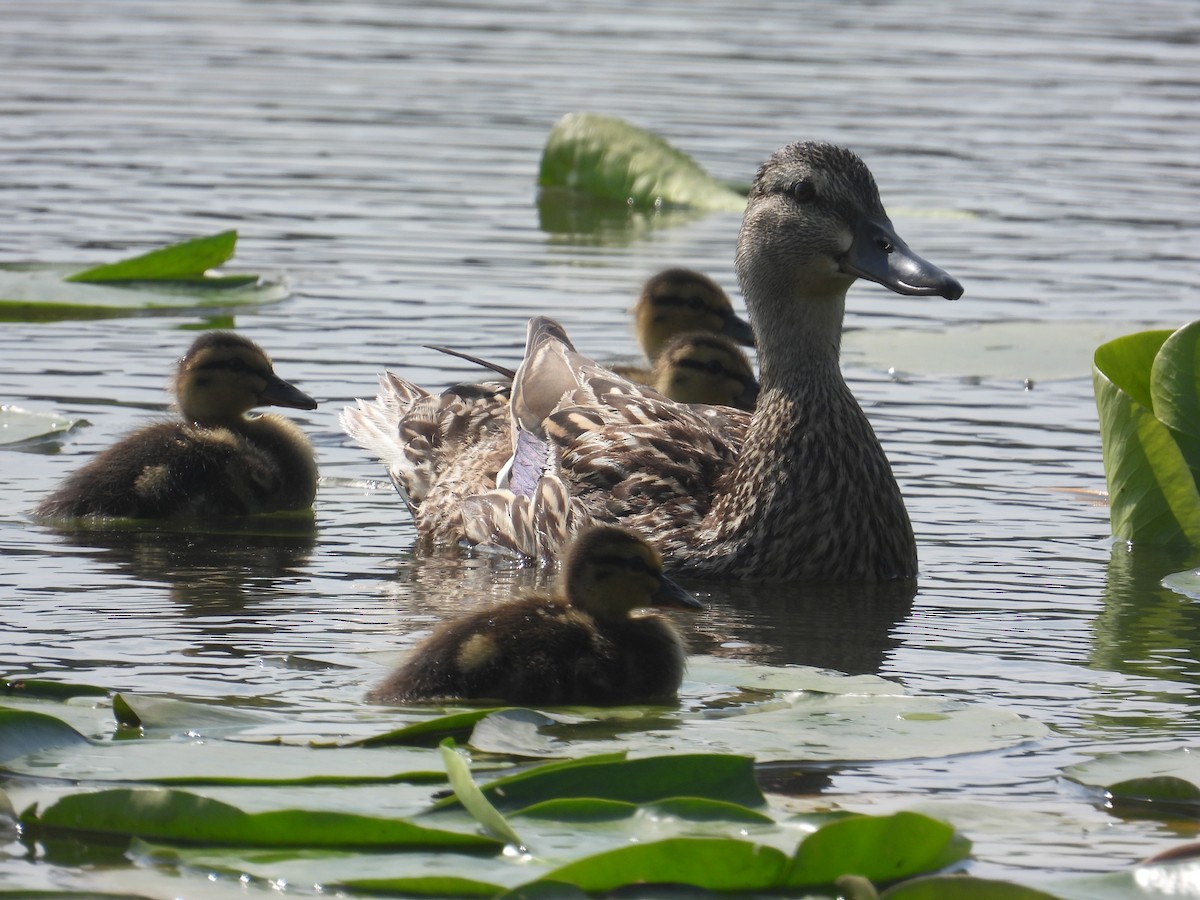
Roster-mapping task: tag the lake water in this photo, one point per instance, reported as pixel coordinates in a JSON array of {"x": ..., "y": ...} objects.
[{"x": 382, "y": 156}]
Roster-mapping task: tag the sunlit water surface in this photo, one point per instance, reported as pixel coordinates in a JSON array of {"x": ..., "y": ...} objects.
[{"x": 383, "y": 156}]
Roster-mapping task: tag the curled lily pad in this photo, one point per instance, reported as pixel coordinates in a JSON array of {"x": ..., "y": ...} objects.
[{"x": 22, "y": 429}]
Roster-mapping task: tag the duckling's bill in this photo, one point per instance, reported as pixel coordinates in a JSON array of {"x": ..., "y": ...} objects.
[
  {"x": 279, "y": 393},
  {"x": 672, "y": 596},
  {"x": 738, "y": 330}
]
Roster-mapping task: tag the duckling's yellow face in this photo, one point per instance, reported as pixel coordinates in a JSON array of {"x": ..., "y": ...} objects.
[
  {"x": 704, "y": 368},
  {"x": 681, "y": 300},
  {"x": 609, "y": 572},
  {"x": 224, "y": 375}
]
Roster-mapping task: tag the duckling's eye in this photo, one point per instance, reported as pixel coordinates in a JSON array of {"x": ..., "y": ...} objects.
[
  {"x": 695, "y": 303},
  {"x": 802, "y": 191},
  {"x": 236, "y": 365},
  {"x": 713, "y": 366}
]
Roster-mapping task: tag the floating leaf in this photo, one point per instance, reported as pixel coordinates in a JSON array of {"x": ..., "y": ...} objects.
[
  {"x": 880, "y": 848},
  {"x": 21, "y": 427},
  {"x": 1140, "y": 770},
  {"x": 962, "y": 887},
  {"x": 189, "y": 260},
  {"x": 426, "y": 733},
  {"x": 172, "y": 278},
  {"x": 1147, "y": 388},
  {"x": 716, "y": 864},
  {"x": 145, "y": 711},
  {"x": 23, "y": 732},
  {"x": 472, "y": 798},
  {"x": 611, "y": 777},
  {"x": 52, "y": 690},
  {"x": 610, "y": 159},
  {"x": 169, "y": 815}
]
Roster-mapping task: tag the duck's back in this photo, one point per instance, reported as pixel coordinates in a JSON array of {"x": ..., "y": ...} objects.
[{"x": 178, "y": 469}]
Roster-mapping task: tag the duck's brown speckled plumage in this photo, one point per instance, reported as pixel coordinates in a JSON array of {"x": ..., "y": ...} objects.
[
  {"x": 577, "y": 646},
  {"x": 216, "y": 462},
  {"x": 799, "y": 490}
]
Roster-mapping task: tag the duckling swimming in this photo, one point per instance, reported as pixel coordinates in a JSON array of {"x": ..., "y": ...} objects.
[
  {"x": 705, "y": 368},
  {"x": 800, "y": 490},
  {"x": 676, "y": 301},
  {"x": 577, "y": 646},
  {"x": 216, "y": 462}
]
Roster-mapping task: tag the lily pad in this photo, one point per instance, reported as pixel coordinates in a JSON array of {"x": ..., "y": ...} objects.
[
  {"x": 1170, "y": 778},
  {"x": 610, "y": 159},
  {"x": 1147, "y": 389},
  {"x": 172, "y": 278},
  {"x": 22, "y": 429}
]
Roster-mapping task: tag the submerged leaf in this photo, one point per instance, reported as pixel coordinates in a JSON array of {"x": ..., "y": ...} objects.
[
  {"x": 185, "y": 260},
  {"x": 962, "y": 887},
  {"x": 608, "y": 158}
]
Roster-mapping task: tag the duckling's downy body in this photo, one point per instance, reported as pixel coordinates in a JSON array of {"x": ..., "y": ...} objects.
[
  {"x": 578, "y": 646},
  {"x": 801, "y": 489},
  {"x": 698, "y": 367},
  {"x": 215, "y": 463},
  {"x": 680, "y": 301}
]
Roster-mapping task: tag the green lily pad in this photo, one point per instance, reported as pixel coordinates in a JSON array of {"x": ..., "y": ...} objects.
[
  {"x": 472, "y": 799},
  {"x": 170, "y": 815},
  {"x": 1168, "y": 778},
  {"x": 1147, "y": 389},
  {"x": 610, "y": 159},
  {"x": 962, "y": 887},
  {"x": 171, "y": 278},
  {"x": 23, "y": 732},
  {"x": 22, "y": 428}
]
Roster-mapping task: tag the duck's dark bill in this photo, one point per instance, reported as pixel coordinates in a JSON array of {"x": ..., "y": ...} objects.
[
  {"x": 880, "y": 255},
  {"x": 279, "y": 393},
  {"x": 672, "y": 595}
]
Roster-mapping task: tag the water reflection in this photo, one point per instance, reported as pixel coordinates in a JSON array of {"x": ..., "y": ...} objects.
[
  {"x": 206, "y": 572},
  {"x": 574, "y": 218},
  {"x": 834, "y": 626},
  {"x": 1146, "y": 628}
]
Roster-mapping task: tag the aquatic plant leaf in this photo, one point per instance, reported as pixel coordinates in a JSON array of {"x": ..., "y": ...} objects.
[
  {"x": 49, "y": 690},
  {"x": 962, "y": 887},
  {"x": 578, "y": 809},
  {"x": 472, "y": 799},
  {"x": 609, "y": 158},
  {"x": 188, "y": 259},
  {"x": 170, "y": 815},
  {"x": 1166, "y": 778},
  {"x": 716, "y": 864},
  {"x": 23, "y": 732},
  {"x": 147, "y": 711},
  {"x": 1150, "y": 879},
  {"x": 1146, "y": 388},
  {"x": 714, "y": 776},
  {"x": 21, "y": 427},
  {"x": 1186, "y": 583},
  {"x": 426, "y": 733},
  {"x": 880, "y": 848}
]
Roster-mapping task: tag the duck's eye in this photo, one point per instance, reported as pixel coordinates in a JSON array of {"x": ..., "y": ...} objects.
[
  {"x": 802, "y": 190},
  {"x": 237, "y": 365}
]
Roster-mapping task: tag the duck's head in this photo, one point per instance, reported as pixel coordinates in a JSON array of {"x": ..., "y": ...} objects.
[
  {"x": 814, "y": 223},
  {"x": 705, "y": 368},
  {"x": 224, "y": 375},
  {"x": 680, "y": 300},
  {"x": 608, "y": 572}
]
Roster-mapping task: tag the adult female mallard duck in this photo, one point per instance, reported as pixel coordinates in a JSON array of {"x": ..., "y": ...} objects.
[
  {"x": 677, "y": 301},
  {"x": 801, "y": 489},
  {"x": 698, "y": 367},
  {"x": 577, "y": 646},
  {"x": 214, "y": 463}
]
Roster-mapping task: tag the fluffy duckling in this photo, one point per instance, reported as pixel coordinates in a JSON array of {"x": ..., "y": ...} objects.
[
  {"x": 216, "y": 462},
  {"x": 579, "y": 646},
  {"x": 676, "y": 301},
  {"x": 705, "y": 368}
]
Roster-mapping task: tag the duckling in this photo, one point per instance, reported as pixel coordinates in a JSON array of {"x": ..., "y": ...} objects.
[
  {"x": 705, "y": 368},
  {"x": 216, "y": 462},
  {"x": 799, "y": 491},
  {"x": 579, "y": 645},
  {"x": 675, "y": 301}
]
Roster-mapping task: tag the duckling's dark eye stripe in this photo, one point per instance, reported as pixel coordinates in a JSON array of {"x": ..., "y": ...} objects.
[{"x": 633, "y": 563}]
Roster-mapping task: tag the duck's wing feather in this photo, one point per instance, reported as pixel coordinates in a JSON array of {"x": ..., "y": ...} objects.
[{"x": 423, "y": 439}]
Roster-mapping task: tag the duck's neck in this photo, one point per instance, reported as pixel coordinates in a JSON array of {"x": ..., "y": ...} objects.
[{"x": 812, "y": 495}]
